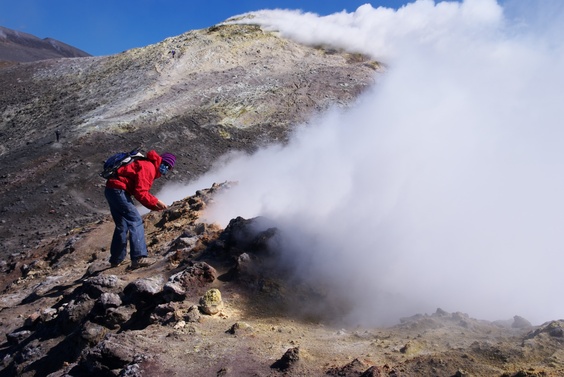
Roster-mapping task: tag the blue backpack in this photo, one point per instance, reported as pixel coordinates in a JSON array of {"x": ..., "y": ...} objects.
[{"x": 116, "y": 161}]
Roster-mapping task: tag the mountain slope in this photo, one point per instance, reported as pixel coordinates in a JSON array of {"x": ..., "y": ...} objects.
[
  {"x": 227, "y": 88},
  {"x": 16, "y": 46}
]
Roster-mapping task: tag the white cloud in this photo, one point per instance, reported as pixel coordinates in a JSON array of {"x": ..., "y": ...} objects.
[{"x": 443, "y": 185}]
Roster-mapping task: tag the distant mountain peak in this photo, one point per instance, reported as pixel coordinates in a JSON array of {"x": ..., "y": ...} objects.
[{"x": 16, "y": 46}]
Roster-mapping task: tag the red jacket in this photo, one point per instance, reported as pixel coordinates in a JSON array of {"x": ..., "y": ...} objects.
[{"x": 137, "y": 178}]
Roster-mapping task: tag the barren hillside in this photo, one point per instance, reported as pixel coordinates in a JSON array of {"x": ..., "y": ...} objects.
[{"x": 226, "y": 88}]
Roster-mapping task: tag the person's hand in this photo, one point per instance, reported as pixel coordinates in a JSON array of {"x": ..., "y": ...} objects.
[{"x": 160, "y": 205}]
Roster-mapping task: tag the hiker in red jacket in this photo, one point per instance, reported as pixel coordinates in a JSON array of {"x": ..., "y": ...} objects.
[{"x": 134, "y": 180}]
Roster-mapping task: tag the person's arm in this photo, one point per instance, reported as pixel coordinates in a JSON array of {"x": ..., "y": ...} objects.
[{"x": 143, "y": 182}]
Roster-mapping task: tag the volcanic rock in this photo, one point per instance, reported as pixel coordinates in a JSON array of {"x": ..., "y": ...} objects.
[
  {"x": 192, "y": 314},
  {"x": 18, "y": 337},
  {"x": 290, "y": 358},
  {"x": 144, "y": 288},
  {"x": 211, "y": 302},
  {"x": 93, "y": 333},
  {"x": 97, "y": 285},
  {"x": 74, "y": 314},
  {"x": 114, "y": 318},
  {"x": 352, "y": 369},
  {"x": 238, "y": 328},
  {"x": 197, "y": 275},
  {"x": 109, "y": 300},
  {"x": 110, "y": 354}
]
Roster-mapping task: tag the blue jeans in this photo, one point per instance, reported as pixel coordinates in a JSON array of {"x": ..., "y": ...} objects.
[{"x": 128, "y": 222}]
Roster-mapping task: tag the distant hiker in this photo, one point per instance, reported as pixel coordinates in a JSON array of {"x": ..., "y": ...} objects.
[
  {"x": 134, "y": 179},
  {"x": 172, "y": 52},
  {"x": 57, "y": 134}
]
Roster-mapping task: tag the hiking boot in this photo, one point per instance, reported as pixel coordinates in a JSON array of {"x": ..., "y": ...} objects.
[
  {"x": 117, "y": 264},
  {"x": 142, "y": 262}
]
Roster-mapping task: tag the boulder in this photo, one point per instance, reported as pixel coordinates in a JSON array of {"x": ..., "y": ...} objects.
[
  {"x": 211, "y": 302},
  {"x": 290, "y": 358},
  {"x": 196, "y": 275},
  {"x": 109, "y": 300},
  {"x": 97, "y": 285},
  {"x": 74, "y": 314},
  {"x": 115, "y": 317},
  {"x": 144, "y": 289},
  {"x": 193, "y": 314},
  {"x": 92, "y": 333},
  {"x": 108, "y": 355}
]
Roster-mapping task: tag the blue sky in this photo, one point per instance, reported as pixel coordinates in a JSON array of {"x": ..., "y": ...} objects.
[{"x": 104, "y": 27}]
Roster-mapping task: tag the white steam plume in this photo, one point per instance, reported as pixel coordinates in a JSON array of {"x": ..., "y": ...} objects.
[{"x": 442, "y": 186}]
